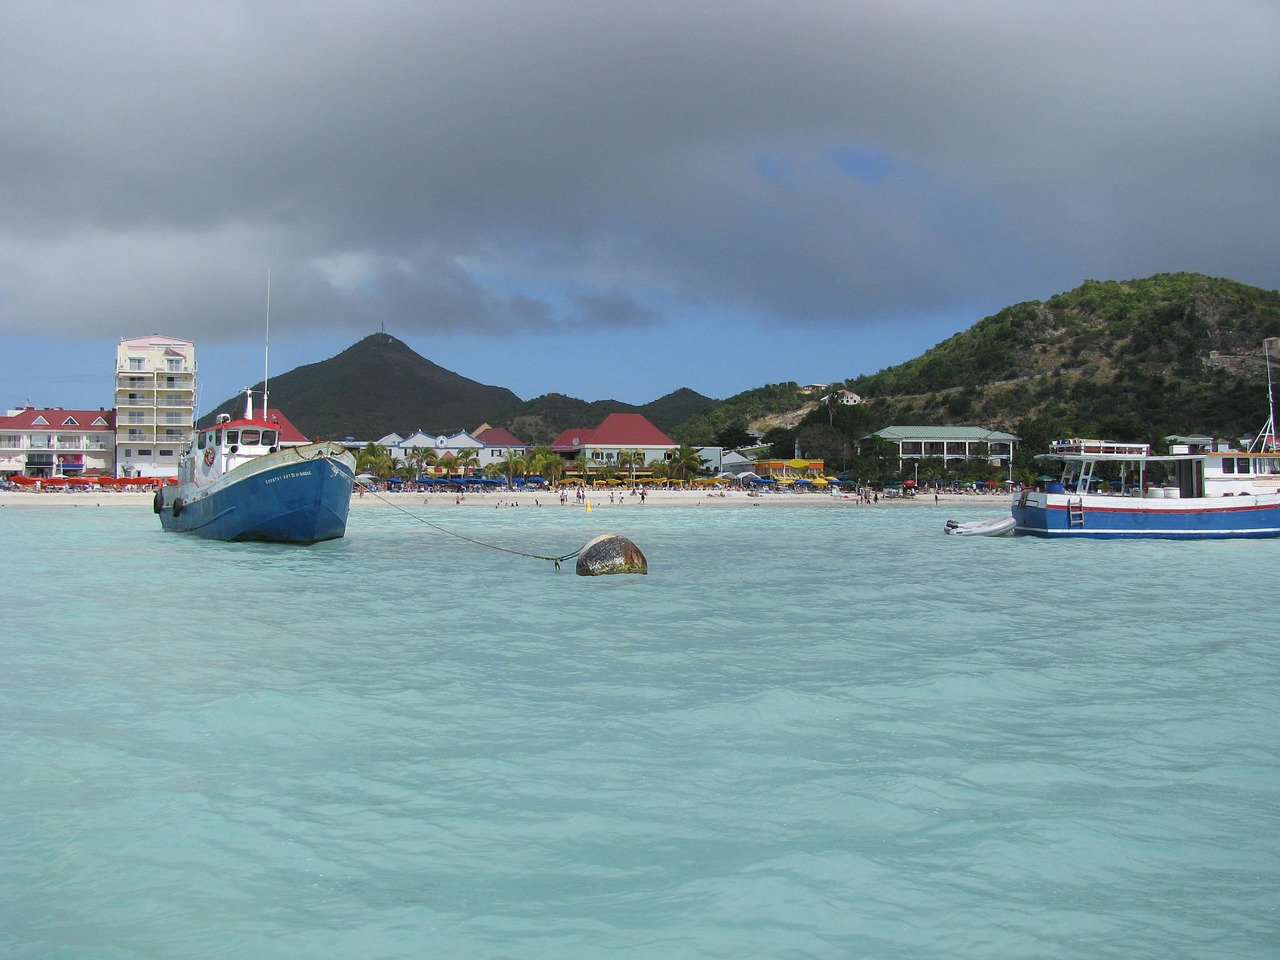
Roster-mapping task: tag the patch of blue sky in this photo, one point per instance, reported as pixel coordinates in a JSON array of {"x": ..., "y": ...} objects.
[
  {"x": 863, "y": 163},
  {"x": 773, "y": 168}
]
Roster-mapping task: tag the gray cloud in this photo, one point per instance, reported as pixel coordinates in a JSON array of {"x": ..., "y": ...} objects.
[{"x": 497, "y": 167}]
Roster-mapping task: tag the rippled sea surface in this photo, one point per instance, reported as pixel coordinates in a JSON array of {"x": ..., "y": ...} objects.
[{"x": 808, "y": 732}]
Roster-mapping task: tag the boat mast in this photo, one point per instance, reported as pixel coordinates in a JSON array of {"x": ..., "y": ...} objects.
[
  {"x": 1266, "y": 441},
  {"x": 266, "y": 349}
]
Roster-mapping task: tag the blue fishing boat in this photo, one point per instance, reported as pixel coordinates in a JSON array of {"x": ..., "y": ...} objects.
[{"x": 240, "y": 480}]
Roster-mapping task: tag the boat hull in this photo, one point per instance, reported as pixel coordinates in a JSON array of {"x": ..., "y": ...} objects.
[
  {"x": 1040, "y": 514},
  {"x": 296, "y": 495}
]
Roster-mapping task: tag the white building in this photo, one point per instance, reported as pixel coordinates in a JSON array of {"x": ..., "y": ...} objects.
[
  {"x": 155, "y": 404},
  {"x": 445, "y": 447}
]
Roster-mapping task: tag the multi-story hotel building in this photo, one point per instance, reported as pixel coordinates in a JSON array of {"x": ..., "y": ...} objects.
[{"x": 155, "y": 404}]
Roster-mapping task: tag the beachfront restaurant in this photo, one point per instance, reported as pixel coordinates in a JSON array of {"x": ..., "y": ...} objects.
[{"x": 798, "y": 473}]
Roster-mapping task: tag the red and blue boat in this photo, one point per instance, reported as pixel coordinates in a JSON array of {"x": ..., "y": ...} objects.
[
  {"x": 1207, "y": 490},
  {"x": 242, "y": 480},
  {"x": 1203, "y": 489}
]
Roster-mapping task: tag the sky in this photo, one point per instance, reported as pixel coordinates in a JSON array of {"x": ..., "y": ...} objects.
[{"x": 608, "y": 200}]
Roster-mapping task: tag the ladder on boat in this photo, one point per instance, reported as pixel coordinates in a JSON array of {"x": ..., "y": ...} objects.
[{"x": 1075, "y": 512}]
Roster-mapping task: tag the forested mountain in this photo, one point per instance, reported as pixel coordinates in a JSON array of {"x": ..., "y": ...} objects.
[
  {"x": 1131, "y": 360},
  {"x": 377, "y": 386},
  {"x": 380, "y": 385}
]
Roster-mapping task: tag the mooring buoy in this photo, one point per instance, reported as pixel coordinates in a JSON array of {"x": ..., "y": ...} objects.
[{"x": 610, "y": 553}]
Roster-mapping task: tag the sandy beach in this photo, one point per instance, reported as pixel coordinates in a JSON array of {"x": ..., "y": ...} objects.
[{"x": 599, "y": 500}]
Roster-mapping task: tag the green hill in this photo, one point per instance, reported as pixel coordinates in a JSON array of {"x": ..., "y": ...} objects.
[
  {"x": 377, "y": 386},
  {"x": 1137, "y": 359},
  {"x": 380, "y": 385},
  {"x": 1174, "y": 353},
  {"x": 545, "y": 418}
]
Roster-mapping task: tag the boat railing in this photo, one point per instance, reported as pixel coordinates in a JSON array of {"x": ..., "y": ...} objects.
[{"x": 1106, "y": 448}]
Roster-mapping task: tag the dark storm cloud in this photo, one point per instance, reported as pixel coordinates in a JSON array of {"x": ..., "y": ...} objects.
[{"x": 503, "y": 166}]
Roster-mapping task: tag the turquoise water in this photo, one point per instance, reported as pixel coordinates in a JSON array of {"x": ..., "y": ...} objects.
[{"x": 807, "y": 733}]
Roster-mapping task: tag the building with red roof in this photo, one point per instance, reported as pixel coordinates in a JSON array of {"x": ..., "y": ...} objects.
[
  {"x": 618, "y": 434},
  {"x": 497, "y": 444},
  {"x": 53, "y": 442}
]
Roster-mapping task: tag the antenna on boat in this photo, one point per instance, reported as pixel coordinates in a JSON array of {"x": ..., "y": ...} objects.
[{"x": 266, "y": 349}]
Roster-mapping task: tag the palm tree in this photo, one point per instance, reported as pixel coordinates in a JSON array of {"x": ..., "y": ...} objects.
[
  {"x": 465, "y": 460},
  {"x": 582, "y": 463},
  {"x": 630, "y": 459},
  {"x": 684, "y": 460},
  {"x": 416, "y": 460},
  {"x": 375, "y": 459},
  {"x": 510, "y": 465},
  {"x": 430, "y": 460},
  {"x": 545, "y": 462}
]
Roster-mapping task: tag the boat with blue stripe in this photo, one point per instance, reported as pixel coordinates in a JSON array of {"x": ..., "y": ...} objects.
[
  {"x": 240, "y": 481},
  {"x": 1202, "y": 489}
]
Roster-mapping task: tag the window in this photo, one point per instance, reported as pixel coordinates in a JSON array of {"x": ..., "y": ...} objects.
[
  {"x": 233, "y": 436},
  {"x": 250, "y": 437},
  {"x": 137, "y": 363},
  {"x": 166, "y": 453},
  {"x": 144, "y": 452},
  {"x": 268, "y": 438}
]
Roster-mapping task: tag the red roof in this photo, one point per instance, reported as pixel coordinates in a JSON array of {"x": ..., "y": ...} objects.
[
  {"x": 58, "y": 419},
  {"x": 629, "y": 430},
  {"x": 572, "y": 439},
  {"x": 498, "y": 437},
  {"x": 616, "y": 430},
  {"x": 289, "y": 434}
]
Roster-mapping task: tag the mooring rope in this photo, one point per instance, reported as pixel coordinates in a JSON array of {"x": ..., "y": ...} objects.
[{"x": 479, "y": 543}]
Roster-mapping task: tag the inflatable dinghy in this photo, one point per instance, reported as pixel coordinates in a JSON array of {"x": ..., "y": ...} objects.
[{"x": 995, "y": 527}]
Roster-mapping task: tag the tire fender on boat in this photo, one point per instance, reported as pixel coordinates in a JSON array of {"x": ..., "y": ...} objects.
[
  {"x": 157, "y": 504},
  {"x": 177, "y": 507}
]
